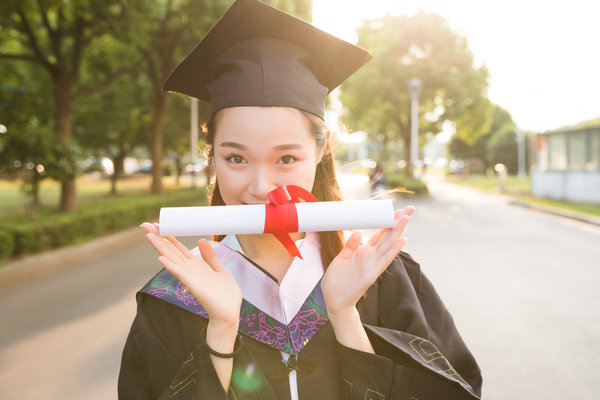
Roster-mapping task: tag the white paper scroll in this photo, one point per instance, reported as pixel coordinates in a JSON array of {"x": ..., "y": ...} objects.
[{"x": 250, "y": 219}]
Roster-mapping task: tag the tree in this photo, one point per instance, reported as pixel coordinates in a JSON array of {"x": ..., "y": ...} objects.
[
  {"x": 376, "y": 98},
  {"x": 482, "y": 149},
  {"x": 166, "y": 31},
  {"x": 63, "y": 38},
  {"x": 25, "y": 144},
  {"x": 115, "y": 121}
]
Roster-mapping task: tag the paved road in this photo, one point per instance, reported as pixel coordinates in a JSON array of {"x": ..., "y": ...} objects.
[{"x": 520, "y": 284}]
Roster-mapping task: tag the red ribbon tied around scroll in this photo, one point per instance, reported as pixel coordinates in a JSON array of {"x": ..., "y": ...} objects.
[{"x": 281, "y": 216}]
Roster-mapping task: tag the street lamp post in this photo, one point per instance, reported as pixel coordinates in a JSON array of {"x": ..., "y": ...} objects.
[
  {"x": 194, "y": 136},
  {"x": 414, "y": 88}
]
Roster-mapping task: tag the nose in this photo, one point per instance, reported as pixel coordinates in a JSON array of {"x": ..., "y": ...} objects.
[{"x": 261, "y": 184}]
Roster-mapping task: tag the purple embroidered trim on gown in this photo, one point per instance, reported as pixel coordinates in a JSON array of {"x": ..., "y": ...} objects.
[{"x": 254, "y": 323}]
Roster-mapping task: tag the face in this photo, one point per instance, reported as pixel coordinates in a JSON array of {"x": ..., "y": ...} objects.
[{"x": 257, "y": 149}]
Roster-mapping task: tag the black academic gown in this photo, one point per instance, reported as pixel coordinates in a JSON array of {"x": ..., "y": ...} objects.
[{"x": 419, "y": 353}]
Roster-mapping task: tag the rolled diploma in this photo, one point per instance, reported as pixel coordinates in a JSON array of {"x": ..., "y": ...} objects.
[{"x": 250, "y": 219}]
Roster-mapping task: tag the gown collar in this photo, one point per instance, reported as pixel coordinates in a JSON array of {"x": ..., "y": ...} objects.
[
  {"x": 284, "y": 316},
  {"x": 286, "y": 299}
]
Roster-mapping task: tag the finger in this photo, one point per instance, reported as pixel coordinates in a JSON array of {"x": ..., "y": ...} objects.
[
  {"x": 149, "y": 228},
  {"x": 165, "y": 248},
  {"x": 375, "y": 238},
  {"x": 184, "y": 250},
  {"x": 409, "y": 210},
  {"x": 209, "y": 255},
  {"x": 392, "y": 236},
  {"x": 389, "y": 256},
  {"x": 397, "y": 214},
  {"x": 352, "y": 244},
  {"x": 174, "y": 268}
]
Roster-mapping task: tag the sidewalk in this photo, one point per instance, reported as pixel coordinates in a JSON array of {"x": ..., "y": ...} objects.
[
  {"x": 591, "y": 219},
  {"x": 562, "y": 212}
]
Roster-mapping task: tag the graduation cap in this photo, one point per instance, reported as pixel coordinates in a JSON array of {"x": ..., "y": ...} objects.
[{"x": 257, "y": 55}]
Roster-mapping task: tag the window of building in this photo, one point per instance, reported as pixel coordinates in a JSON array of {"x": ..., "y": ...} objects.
[
  {"x": 558, "y": 151},
  {"x": 593, "y": 163},
  {"x": 577, "y": 150}
]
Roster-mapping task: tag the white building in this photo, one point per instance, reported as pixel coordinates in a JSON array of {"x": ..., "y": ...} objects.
[{"x": 566, "y": 165}]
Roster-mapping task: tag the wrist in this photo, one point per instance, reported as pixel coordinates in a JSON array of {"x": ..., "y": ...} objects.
[
  {"x": 221, "y": 335},
  {"x": 348, "y": 329},
  {"x": 223, "y": 325},
  {"x": 343, "y": 315}
]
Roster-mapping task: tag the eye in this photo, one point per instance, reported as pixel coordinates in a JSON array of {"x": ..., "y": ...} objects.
[
  {"x": 287, "y": 160},
  {"x": 236, "y": 159}
]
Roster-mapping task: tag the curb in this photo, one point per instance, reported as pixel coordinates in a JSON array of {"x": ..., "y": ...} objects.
[
  {"x": 561, "y": 212},
  {"x": 590, "y": 219}
]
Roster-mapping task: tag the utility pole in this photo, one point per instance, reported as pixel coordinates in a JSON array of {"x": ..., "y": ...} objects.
[{"x": 414, "y": 88}]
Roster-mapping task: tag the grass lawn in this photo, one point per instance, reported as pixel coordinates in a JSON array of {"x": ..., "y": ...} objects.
[
  {"x": 489, "y": 183},
  {"x": 520, "y": 188},
  {"x": 585, "y": 208},
  {"x": 89, "y": 188}
]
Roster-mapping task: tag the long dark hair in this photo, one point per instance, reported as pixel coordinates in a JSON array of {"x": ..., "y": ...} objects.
[{"x": 325, "y": 187}]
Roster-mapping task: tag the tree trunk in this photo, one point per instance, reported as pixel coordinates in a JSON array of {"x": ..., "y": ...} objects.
[
  {"x": 118, "y": 171},
  {"x": 178, "y": 168},
  {"x": 35, "y": 190},
  {"x": 63, "y": 125},
  {"x": 156, "y": 150}
]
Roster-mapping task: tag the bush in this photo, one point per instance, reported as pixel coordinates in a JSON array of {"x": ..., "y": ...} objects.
[
  {"x": 399, "y": 180},
  {"x": 7, "y": 244},
  {"x": 25, "y": 235}
]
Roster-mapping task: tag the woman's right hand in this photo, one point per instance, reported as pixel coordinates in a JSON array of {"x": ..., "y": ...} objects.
[{"x": 206, "y": 278}]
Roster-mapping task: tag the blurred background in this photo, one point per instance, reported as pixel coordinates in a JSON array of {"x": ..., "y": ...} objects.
[{"x": 487, "y": 112}]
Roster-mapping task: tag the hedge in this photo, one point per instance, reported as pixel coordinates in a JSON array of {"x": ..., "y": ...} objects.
[
  {"x": 401, "y": 181},
  {"x": 25, "y": 235},
  {"x": 7, "y": 243}
]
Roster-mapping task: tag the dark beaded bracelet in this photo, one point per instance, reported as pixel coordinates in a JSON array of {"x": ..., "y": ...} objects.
[{"x": 238, "y": 343}]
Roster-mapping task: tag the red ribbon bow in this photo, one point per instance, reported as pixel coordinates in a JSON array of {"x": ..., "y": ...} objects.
[{"x": 281, "y": 216}]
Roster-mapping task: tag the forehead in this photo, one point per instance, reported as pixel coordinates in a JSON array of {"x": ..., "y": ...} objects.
[{"x": 263, "y": 126}]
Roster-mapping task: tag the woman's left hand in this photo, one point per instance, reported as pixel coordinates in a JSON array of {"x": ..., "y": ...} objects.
[{"x": 357, "y": 267}]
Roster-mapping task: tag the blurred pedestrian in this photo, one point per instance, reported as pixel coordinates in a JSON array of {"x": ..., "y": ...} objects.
[{"x": 377, "y": 180}]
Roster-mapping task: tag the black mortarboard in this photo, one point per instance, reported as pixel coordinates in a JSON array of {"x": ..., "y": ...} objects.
[{"x": 257, "y": 55}]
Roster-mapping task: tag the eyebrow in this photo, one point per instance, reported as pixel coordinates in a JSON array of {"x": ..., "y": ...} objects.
[{"x": 291, "y": 146}]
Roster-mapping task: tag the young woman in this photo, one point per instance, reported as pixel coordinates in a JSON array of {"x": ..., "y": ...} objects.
[{"x": 240, "y": 318}]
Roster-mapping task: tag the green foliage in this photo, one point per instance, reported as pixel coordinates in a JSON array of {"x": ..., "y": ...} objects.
[
  {"x": 592, "y": 123},
  {"x": 502, "y": 148},
  {"x": 35, "y": 234},
  {"x": 72, "y": 45},
  {"x": 482, "y": 152},
  {"x": 398, "y": 180},
  {"x": 376, "y": 98},
  {"x": 7, "y": 244}
]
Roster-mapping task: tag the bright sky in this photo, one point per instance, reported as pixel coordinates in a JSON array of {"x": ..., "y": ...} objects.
[{"x": 543, "y": 56}]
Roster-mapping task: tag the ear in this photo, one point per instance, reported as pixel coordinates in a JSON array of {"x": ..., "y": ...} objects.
[{"x": 323, "y": 147}]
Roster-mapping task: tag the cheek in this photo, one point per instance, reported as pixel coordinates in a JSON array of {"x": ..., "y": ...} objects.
[
  {"x": 305, "y": 176},
  {"x": 230, "y": 184}
]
